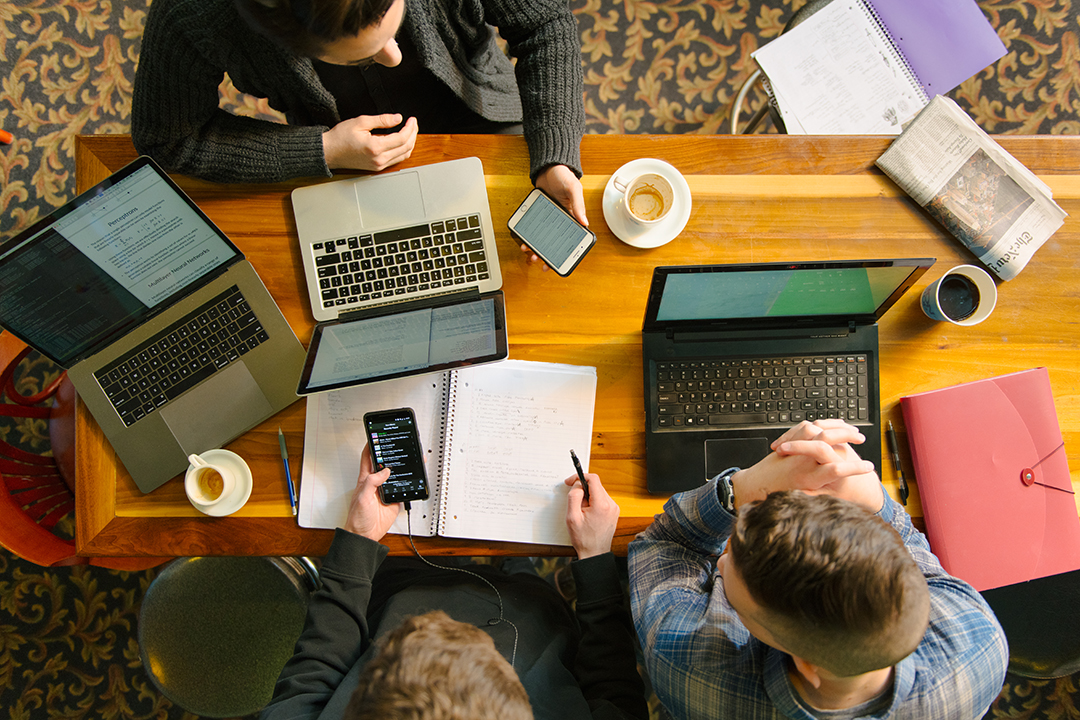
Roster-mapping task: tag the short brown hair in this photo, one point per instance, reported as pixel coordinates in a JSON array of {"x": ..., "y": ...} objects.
[
  {"x": 435, "y": 668},
  {"x": 837, "y": 585},
  {"x": 307, "y": 26}
]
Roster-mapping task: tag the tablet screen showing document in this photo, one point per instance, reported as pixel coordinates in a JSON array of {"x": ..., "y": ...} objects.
[{"x": 407, "y": 339}]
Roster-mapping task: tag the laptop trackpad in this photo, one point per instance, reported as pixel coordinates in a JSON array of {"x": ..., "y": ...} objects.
[
  {"x": 393, "y": 199},
  {"x": 733, "y": 452},
  {"x": 200, "y": 421}
]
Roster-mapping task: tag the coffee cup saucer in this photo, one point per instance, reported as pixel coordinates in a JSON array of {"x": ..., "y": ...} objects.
[
  {"x": 651, "y": 236},
  {"x": 241, "y": 492}
]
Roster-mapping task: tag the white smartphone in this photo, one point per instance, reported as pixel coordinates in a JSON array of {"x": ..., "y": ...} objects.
[{"x": 551, "y": 232}]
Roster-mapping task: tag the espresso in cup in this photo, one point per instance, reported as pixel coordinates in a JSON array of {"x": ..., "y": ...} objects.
[
  {"x": 647, "y": 198},
  {"x": 211, "y": 483},
  {"x": 207, "y": 482}
]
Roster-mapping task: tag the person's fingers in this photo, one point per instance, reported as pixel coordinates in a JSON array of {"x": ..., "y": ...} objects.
[
  {"x": 366, "y": 466},
  {"x": 595, "y": 486},
  {"x": 375, "y": 122},
  {"x": 832, "y": 431},
  {"x": 577, "y": 206},
  {"x": 372, "y": 481},
  {"x": 393, "y": 146},
  {"x": 803, "y": 431},
  {"x": 850, "y": 468},
  {"x": 574, "y": 500},
  {"x": 820, "y": 452}
]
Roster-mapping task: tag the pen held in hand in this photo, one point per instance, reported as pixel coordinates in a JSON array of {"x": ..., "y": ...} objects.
[{"x": 580, "y": 474}]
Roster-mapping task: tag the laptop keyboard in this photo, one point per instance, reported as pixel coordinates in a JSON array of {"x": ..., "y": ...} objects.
[
  {"x": 397, "y": 262},
  {"x": 767, "y": 391},
  {"x": 181, "y": 356}
]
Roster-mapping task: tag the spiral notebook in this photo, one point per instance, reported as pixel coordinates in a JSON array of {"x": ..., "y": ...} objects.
[
  {"x": 868, "y": 66},
  {"x": 497, "y": 440}
]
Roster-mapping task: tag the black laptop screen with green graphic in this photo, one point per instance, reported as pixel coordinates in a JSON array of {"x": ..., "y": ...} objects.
[{"x": 780, "y": 292}]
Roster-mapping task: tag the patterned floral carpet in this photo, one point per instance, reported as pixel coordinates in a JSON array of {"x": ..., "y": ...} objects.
[{"x": 67, "y": 635}]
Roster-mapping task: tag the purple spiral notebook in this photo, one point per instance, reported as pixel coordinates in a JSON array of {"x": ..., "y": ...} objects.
[{"x": 944, "y": 41}]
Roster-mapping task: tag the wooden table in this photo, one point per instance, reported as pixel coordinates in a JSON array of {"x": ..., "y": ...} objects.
[{"x": 755, "y": 199}]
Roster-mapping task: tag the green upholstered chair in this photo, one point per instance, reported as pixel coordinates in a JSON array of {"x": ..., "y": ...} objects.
[{"x": 215, "y": 632}]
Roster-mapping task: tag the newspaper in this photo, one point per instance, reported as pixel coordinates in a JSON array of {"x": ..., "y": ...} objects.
[{"x": 981, "y": 194}]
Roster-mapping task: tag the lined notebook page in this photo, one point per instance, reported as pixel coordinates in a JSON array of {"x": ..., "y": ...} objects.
[
  {"x": 510, "y": 429},
  {"x": 334, "y": 438}
]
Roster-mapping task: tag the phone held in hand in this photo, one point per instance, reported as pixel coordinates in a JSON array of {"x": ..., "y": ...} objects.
[
  {"x": 551, "y": 232},
  {"x": 395, "y": 444}
]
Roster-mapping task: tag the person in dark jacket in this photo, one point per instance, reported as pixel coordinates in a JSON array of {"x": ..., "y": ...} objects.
[{"x": 401, "y": 637}]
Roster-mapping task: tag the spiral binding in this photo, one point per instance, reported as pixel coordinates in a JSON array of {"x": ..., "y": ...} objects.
[
  {"x": 447, "y": 440},
  {"x": 897, "y": 54}
]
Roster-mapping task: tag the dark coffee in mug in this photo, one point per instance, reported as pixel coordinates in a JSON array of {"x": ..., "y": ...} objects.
[{"x": 958, "y": 297}]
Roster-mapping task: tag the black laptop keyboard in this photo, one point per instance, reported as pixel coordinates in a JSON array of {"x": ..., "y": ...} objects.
[
  {"x": 397, "y": 262},
  {"x": 767, "y": 391},
  {"x": 181, "y": 356}
]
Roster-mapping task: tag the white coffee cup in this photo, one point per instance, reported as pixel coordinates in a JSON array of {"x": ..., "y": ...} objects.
[
  {"x": 647, "y": 198},
  {"x": 964, "y": 295},
  {"x": 208, "y": 483}
]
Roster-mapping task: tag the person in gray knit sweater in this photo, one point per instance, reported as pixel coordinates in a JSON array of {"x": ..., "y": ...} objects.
[{"x": 357, "y": 80}]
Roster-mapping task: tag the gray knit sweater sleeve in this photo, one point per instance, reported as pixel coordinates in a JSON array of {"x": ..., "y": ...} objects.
[
  {"x": 543, "y": 36},
  {"x": 187, "y": 47}
]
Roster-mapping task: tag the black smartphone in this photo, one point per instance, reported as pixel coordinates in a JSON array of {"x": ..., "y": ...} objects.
[
  {"x": 551, "y": 232},
  {"x": 395, "y": 444}
]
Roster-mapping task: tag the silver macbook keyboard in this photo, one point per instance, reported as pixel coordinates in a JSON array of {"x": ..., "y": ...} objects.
[{"x": 392, "y": 263}]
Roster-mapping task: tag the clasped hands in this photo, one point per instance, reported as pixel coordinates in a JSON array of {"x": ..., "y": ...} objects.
[
  {"x": 591, "y": 522},
  {"x": 816, "y": 458}
]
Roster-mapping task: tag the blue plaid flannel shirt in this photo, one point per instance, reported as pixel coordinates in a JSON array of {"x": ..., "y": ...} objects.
[{"x": 703, "y": 662}]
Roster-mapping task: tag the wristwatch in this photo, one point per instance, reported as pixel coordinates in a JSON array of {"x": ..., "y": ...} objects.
[{"x": 725, "y": 493}]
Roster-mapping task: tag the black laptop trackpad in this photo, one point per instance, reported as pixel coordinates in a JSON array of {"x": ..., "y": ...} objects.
[
  {"x": 734, "y": 452},
  {"x": 228, "y": 404}
]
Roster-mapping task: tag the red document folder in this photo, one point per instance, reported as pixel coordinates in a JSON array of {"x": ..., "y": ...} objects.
[{"x": 994, "y": 481}]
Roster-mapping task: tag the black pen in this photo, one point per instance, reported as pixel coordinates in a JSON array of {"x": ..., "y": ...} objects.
[
  {"x": 580, "y": 474},
  {"x": 894, "y": 452}
]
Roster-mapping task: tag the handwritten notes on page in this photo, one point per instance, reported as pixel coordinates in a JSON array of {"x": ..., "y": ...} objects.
[
  {"x": 497, "y": 441},
  {"x": 838, "y": 73},
  {"x": 510, "y": 429},
  {"x": 334, "y": 438}
]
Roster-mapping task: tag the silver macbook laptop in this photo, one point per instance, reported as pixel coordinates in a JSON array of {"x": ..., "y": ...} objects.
[
  {"x": 734, "y": 355},
  {"x": 170, "y": 338},
  {"x": 396, "y": 236}
]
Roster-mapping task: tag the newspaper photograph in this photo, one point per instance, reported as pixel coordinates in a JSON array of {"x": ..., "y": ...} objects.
[{"x": 981, "y": 194}]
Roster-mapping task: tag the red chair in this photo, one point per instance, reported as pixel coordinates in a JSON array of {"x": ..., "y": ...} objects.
[{"x": 36, "y": 491}]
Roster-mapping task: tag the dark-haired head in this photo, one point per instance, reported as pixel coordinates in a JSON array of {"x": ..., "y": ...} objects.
[
  {"x": 831, "y": 582},
  {"x": 307, "y": 26}
]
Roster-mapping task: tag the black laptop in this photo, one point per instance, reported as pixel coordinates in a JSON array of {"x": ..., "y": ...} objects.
[{"x": 734, "y": 355}]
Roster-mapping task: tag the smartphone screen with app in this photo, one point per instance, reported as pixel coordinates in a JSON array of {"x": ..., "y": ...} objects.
[{"x": 395, "y": 444}]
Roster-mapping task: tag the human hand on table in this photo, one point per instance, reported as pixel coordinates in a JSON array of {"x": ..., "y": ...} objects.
[
  {"x": 368, "y": 516},
  {"x": 815, "y": 458},
  {"x": 591, "y": 522},
  {"x": 352, "y": 145}
]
